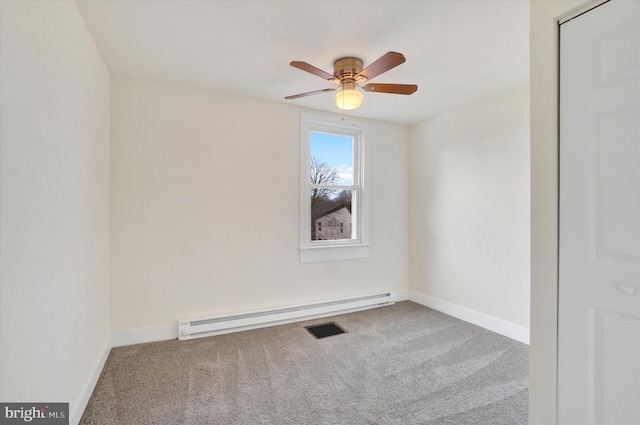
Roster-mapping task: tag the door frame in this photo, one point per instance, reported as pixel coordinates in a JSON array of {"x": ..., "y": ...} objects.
[{"x": 545, "y": 18}]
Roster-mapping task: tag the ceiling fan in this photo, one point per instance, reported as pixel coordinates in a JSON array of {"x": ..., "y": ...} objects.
[{"x": 350, "y": 75}]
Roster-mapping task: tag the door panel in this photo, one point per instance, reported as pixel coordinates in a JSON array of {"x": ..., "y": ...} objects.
[
  {"x": 618, "y": 166},
  {"x": 599, "y": 258},
  {"x": 614, "y": 386},
  {"x": 614, "y": 62}
]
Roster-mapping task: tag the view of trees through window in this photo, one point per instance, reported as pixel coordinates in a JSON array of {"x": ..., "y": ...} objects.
[{"x": 332, "y": 186}]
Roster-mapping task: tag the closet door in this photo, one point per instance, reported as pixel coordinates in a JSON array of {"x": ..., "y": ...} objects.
[{"x": 599, "y": 275}]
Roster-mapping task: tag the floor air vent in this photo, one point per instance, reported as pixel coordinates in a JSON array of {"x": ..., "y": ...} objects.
[{"x": 324, "y": 330}]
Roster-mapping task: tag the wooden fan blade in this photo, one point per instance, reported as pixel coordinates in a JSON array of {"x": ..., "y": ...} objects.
[
  {"x": 313, "y": 70},
  {"x": 391, "y": 88},
  {"x": 309, "y": 93},
  {"x": 386, "y": 62}
]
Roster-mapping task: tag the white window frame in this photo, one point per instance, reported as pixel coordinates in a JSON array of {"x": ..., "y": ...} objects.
[{"x": 341, "y": 249}]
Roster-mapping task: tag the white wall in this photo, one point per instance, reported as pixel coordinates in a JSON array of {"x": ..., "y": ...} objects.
[
  {"x": 54, "y": 205},
  {"x": 469, "y": 207},
  {"x": 544, "y": 53},
  {"x": 204, "y": 202}
]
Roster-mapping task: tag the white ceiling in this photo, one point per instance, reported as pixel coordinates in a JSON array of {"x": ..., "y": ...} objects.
[{"x": 457, "y": 51}]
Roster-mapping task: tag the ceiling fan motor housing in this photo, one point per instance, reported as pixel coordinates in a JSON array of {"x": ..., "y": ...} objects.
[{"x": 346, "y": 69}]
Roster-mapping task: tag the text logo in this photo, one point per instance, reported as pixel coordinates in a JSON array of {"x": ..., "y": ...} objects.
[{"x": 34, "y": 413}]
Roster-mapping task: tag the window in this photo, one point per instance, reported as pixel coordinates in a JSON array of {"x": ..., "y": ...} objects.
[{"x": 333, "y": 208}]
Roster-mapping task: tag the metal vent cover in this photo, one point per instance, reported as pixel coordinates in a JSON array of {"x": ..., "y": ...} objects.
[{"x": 325, "y": 330}]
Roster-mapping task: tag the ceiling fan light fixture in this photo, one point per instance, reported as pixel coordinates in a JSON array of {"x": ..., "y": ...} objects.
[{"x": 348, "y": 99}]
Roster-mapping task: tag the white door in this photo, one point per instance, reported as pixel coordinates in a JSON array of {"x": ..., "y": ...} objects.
[{"x": 599, "y": 276}]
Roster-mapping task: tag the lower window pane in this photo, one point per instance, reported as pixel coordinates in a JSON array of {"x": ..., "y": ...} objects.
[{"x": 331, "y": 214}]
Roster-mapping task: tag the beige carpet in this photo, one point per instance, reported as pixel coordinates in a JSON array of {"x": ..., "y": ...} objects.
[{"x": 402, "y": 364}]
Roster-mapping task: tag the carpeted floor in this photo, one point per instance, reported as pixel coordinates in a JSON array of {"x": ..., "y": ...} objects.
[{"x": 402, "y": 364}]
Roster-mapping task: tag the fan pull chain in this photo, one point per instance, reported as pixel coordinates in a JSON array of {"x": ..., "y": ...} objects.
[{"x": 353, "y": 118}]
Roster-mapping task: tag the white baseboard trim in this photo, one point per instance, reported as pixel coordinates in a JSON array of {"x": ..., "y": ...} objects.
[
  {"x": 78, "y": 409},
  {"x": 491, "y": 323},
  {"x": 143, "y": 335},
  {"x": 402, "y": 295}
]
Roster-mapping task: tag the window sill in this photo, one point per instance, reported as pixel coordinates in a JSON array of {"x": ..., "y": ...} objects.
[{"x": 318, "y": 254}]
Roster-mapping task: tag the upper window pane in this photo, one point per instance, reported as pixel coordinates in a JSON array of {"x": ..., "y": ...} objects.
[{"x": 331, "y": 159}]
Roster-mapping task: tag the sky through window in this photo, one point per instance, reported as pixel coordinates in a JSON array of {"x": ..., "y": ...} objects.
[{"x": 336, "y": 151}]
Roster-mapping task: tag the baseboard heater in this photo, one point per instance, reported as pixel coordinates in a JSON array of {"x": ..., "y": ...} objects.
[{"x": 215, "y": 325}]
